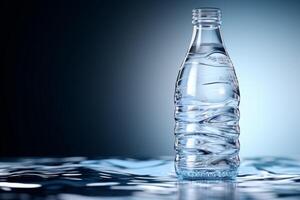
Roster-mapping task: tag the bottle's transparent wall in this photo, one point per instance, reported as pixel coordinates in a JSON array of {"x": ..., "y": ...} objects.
[{"x": 206, "y": 105}]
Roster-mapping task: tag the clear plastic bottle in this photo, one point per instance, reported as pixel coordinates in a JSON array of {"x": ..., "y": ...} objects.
[{"x": 207, "y": 100}]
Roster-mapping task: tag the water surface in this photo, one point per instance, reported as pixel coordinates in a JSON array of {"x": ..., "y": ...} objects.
[{"x": 79, "y": 178}]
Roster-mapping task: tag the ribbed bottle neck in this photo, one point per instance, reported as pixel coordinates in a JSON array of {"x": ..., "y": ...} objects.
[
  {"x": 206, "y": 29},
  {"x": 206, "y": 17}
]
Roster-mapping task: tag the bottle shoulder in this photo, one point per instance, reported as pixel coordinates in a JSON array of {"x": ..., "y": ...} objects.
[{"x": 207, "y": 76}]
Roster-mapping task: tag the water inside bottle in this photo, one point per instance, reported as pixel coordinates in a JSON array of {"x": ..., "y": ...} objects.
[{"x": 207, "y": 115}]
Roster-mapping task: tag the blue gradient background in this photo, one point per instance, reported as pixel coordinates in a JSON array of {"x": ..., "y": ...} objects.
[
  {"x": 262, "y": 40},
  {"x": 98, "y": 77}
]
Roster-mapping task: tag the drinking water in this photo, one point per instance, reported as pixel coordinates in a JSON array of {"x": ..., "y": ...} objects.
[{"x": 207, "y": 105}]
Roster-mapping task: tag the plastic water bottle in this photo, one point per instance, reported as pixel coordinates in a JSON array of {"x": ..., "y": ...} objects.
[{"x": 207, "y": 100}]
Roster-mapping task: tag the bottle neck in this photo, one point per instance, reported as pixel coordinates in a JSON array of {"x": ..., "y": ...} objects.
[{"x": 205, "y": 35}]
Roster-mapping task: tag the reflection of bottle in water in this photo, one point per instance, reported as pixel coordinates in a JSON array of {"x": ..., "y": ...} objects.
[
  {"x": 208, "y": 189},
  {"x": 207, "y": 100}
]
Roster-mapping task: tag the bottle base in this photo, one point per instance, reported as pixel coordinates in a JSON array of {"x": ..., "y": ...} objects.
[{"x": 206, "y": 174}]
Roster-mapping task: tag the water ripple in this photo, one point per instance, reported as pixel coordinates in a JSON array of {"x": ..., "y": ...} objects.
[{"x": 119, "y": 178}]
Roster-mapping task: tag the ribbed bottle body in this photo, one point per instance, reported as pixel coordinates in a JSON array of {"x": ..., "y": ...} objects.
[{"x": 207, "y": 115}]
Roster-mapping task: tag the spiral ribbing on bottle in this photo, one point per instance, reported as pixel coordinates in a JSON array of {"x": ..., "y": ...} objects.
[{"x": 207, "y": 117}]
